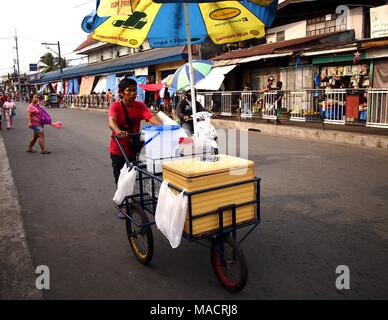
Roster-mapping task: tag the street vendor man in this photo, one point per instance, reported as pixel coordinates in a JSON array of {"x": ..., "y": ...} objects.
[
  {"x": 184, "y": 111},
  {"x": 125, "y": 116}
]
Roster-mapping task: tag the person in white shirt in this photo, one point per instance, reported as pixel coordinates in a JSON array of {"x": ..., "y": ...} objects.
[{"x": 8, "y": 108}]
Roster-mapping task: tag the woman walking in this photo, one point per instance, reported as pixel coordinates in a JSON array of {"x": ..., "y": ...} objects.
[
  {"x": 9, "y": 108},
  {"x": 34, "y": 120}
]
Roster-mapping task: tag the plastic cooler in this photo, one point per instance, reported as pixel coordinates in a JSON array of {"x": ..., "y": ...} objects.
[
  {"x": 195, "y": 174},
  {"x": 161, "y": 142}
]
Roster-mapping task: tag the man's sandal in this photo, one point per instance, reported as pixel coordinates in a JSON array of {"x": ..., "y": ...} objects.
[
  {"x": 31, "y": 151},
  {"x": 45, "y": 152}
]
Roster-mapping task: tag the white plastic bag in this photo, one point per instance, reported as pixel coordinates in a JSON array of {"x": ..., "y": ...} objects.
[
  {"x": 170, "y": 214},
  {"x": 125, "y": 185}
]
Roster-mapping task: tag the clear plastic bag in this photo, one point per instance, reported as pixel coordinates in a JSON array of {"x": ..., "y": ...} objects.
[
  {"x": 170, "y": 214},
  {"x": 125, "y": 185}
]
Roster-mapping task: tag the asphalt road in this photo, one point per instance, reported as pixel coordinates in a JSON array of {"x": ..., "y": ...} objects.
[{"x": 322, "y": 206}]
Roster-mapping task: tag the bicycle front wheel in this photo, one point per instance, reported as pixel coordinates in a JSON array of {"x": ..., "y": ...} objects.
[{"x": 140, "y": 234}]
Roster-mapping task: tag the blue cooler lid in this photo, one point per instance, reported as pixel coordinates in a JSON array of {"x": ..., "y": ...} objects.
[{"x": 161, "y": 128}]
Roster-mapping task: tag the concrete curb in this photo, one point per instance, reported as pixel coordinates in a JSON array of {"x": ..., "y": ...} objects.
[
  {"x": 86, "y": 109},
  {"x": 328, "y": 136},
  {"x": 17, "y": 274}
]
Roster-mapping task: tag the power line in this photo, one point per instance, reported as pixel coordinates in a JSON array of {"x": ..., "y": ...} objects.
[
  {"x": 82, "y": 4},
  {"x": 9, "y": 68},
  {"x": 40, "y": 40}
]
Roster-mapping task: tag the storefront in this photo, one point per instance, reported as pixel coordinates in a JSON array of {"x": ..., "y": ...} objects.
[{"x": 344, "y": 71}]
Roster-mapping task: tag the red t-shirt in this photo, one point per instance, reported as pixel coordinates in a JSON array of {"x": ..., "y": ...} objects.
[{"x": 136, "y": 114}]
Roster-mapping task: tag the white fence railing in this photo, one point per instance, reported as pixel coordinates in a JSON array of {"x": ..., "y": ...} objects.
[
  {"x": 377, "y": 108},
  {"x": 337, "y": 106}
]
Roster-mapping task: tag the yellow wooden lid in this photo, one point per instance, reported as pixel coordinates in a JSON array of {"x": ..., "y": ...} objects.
[{"x": 196, "y": 166}]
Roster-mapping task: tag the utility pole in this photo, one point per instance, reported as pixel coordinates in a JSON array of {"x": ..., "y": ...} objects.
[
  {"x": 60, "y": 58},
  {"x": 18, "y": 62}
]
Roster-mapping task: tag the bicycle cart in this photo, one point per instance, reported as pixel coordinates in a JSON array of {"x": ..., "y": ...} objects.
[{"x": 227, "y": 257}]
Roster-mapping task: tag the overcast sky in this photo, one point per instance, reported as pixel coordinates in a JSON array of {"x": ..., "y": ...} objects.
[{"x": 39, "y": 21}]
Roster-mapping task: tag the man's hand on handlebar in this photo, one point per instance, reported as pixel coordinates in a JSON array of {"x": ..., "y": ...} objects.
[{"x": 121, "y": 134}]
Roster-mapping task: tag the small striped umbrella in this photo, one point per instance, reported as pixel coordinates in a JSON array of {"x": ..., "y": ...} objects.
[{"x": 181, "y": 78}]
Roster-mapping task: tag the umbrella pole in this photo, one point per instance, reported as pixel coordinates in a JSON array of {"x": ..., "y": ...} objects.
[{"x": 192, "y": 87}]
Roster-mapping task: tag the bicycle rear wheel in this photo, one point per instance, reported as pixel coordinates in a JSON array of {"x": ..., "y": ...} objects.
[
  {"x": 140, "y": 234},
  {"x": 229, "y": 264}
]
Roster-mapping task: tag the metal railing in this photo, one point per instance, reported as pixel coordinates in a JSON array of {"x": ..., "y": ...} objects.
[
  {"x": 377, "y": 110},
  {"x": 337, "y": 106}
]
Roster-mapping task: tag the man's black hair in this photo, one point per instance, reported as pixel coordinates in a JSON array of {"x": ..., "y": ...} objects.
[{"x": 126, "y": 83}]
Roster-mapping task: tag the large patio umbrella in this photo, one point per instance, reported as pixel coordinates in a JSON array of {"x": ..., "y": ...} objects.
[{"x": 168, "y": 23}]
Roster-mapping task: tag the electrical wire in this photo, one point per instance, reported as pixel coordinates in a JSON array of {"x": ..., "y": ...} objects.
[{"x": 83, "y": 4}]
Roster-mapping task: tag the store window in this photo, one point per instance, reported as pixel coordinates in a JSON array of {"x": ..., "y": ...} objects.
[
  {"x": 323, "y": 25},
  {"x": 95, "y": 57},
  {"x": 345, "y": 76},
  {"x": 280, "y": 36},
  {"x": 260, "y": 77},
  {"x": 276, "y": 37},
  {"x": 271, "y": 38},
  {"x": 297, "y": 78}
]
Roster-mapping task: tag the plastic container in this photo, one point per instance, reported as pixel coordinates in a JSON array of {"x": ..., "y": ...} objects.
[{"x": 161, "y": 143}]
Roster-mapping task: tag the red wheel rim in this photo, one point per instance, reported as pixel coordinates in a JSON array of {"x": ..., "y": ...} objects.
[{"x": 218, "y": 268}]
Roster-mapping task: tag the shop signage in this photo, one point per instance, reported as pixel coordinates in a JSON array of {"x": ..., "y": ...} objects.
[
  {"x": 379, "y": 22},
  {"x": 141, "y": 72},
  {"x": 33, "y": 67}
]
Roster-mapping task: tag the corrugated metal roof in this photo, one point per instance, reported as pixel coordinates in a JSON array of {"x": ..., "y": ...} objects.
[
  {"x": 271, "y": 47},
  {"x": 88, "y": 42},
  {"x": 127, "y": 63}
]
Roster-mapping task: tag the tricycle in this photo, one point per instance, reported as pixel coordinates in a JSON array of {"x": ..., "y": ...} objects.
[{"x": 226, "y": 254}]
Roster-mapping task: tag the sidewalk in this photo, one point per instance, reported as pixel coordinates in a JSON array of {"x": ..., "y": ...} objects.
[
  {"x": 372, "y": 141},
  {"x": 17, "y": 275}
]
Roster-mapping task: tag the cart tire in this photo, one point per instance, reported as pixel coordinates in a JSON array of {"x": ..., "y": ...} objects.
[
  {"x": 229, "y": 264},
  {"x": 140, "y": 239}
]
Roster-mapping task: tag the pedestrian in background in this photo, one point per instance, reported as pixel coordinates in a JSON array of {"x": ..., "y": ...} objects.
[
  {"x": 9, "y": 108},
  {"x": 278, "y": 101},
  {"x": 269, "y": 85},
  {"x": 184, "y": 111},
  {"x": 3, "y": 99},
  {"x": 109, "y": 97},
  {"x": 35, "y": 123}
]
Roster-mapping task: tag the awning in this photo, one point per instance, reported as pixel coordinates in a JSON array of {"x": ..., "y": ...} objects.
[
  {"x": 265, "y": 56},
  {"x": 43, "y": 88},
  {"x": 76, "y": 86},
  {"x": 70, "y": 87},
  {"x": 59, "y": 88},
  {"x": 120, "y": 65},
  {"x": 111, "y": 82},
  {"x": 86, "y": 86},
  {"x": 215, "y": 78},
  {"x": 101, "y": 85},
  {"x": 376, "y": 53},
  {"x": 323, "y": 52},
  {"x": 152, "y": 87},
  {"x": 228, "y": 62}
]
